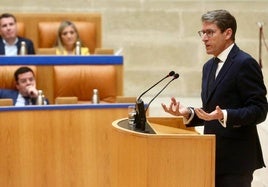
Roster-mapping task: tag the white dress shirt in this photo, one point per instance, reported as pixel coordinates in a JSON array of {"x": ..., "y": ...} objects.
[
  {"x": 20, "y": 100},
  {"x": 222, "y": 56},
  {"x": 11, "y": 50}
]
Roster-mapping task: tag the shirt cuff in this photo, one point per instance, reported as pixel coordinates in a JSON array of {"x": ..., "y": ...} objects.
[
  {"x": 224, "y": 120},
  {"x": 187, "y": 121}
]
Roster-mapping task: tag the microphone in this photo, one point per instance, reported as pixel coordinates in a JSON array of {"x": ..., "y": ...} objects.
[
  {"x": 140, "y": 117},
  {"x": 174, "y": 77},
  {"x": 169, "y": 75}
]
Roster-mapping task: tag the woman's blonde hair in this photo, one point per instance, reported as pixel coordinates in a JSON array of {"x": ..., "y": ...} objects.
[{"x": 62, "y": 26}]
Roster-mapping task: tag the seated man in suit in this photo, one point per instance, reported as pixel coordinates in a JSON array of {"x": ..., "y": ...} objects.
[
  {"x": 26, "y": 93},
  {"x": 10, "y": 43}
]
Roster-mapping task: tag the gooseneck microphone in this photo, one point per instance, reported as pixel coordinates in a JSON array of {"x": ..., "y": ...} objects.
[
  {"x": 169, "y": 75},
  {"x": 174, "y": 77},
  {"x": 140, "y": 117}
]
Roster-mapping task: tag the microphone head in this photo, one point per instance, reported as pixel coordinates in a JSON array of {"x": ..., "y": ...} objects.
[
  {"x": 176, "y": 76},
  {"x": 171, "y": 73}
]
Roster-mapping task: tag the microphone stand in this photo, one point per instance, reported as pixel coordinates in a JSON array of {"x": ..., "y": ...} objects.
[
  {"x": 140, "y": 118},
  {"x": 170, "y": 74},
  {"x": 175, "y": 77},
  {"x": 260, "y": 42}
]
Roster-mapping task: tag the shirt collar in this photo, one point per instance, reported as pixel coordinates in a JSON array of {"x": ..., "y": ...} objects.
[
  {"x": 5, "y": 42},
  {"x": 224, "y": 54}
]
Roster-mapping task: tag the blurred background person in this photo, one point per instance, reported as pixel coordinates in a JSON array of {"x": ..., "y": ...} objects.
[
  {"x": 10, "y": 42},
  {"x": 25, "y": 92},
  {"x": 67, "y": 38}
]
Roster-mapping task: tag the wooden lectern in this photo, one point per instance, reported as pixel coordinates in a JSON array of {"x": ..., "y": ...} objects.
[{"x": 172, "y": 155}]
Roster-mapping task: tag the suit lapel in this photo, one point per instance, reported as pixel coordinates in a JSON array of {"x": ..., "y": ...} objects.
[
  {"x": 18, "y": 45},
  {"x": 206, "y": 72},
  {"x": 2, "y": 46},
  {"x": 223, "y": 71}
]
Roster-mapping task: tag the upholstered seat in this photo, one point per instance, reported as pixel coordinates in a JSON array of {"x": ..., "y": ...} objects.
[
  {"x": 104, "y": 51},
  {"x": 20, "y": 29},
  {"x": 46, "y": 51},
  {"x": 66, "y": 100},
  {"x": 6, "y": 102},
  {"x": 126, "y": 99},
  {"x": 47, "y": 34},
  {"x": 80, "y": 80}
]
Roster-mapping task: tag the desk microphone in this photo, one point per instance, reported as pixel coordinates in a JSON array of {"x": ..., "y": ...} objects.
[
  {"x": 174, "y": 77},
  {"x": 140, "y": 117},
  {"x": 169, "y": 75}
]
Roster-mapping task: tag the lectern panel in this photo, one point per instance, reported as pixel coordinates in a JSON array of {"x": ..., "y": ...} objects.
[{"x": 157, "y": 160}]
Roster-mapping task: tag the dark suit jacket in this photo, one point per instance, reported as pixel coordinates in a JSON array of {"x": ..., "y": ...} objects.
[
  {"x": 238, "y": 88},
  {"x": 12, "y": 94},
  {"x": 29, "y": 46},
  {"x": 9, "y": 94}
]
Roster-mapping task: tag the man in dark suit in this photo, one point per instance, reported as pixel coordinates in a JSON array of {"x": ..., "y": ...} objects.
[
  {"x": 10, "y": 43},
  {"x": 26, "y": 93},
  {"x": 234, "y": 102}
]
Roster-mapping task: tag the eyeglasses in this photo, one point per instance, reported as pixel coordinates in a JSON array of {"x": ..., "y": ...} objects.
[{"x": 208, "y": 32}]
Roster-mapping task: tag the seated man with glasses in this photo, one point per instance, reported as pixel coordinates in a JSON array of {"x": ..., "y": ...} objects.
[{"x": 26, "y": 93}]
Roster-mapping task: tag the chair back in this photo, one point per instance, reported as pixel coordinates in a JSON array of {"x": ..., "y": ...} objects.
[
  {"x": 20, "y": 29},
  {"x": 80, "y": 80}
]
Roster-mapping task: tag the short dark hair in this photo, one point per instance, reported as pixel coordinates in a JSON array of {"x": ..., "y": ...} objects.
[
  {"x": 8, "y": 15},
  {"x": 22, "y": 70},
  {"x": 223, "y": 19}
]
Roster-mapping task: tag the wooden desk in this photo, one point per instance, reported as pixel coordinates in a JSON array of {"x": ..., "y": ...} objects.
[
  {"x": 171, "y": 157},
  {"x": 57, "y": 146}
]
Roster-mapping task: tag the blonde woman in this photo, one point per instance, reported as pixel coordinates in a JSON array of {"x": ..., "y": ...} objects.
[{"x": 67, "y": 37}]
